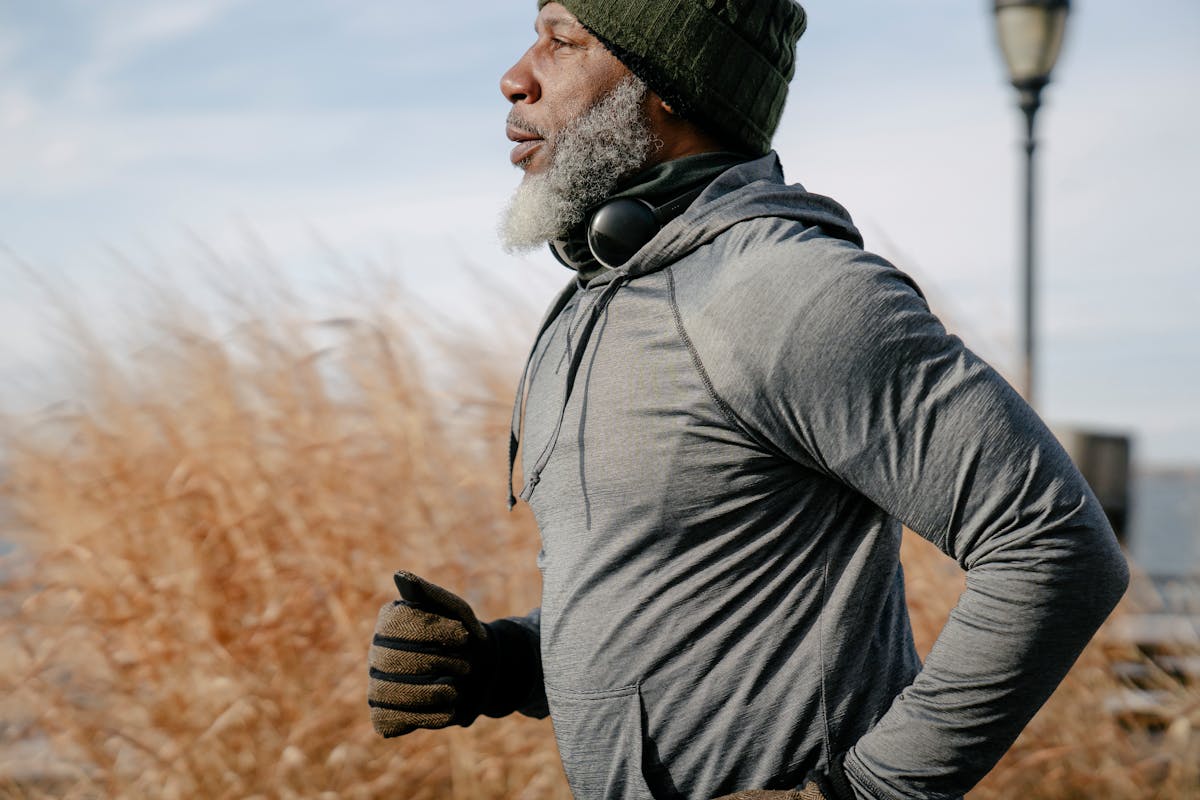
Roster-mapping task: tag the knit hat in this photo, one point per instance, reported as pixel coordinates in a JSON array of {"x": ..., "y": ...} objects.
[{"x": 724, "y": 64}]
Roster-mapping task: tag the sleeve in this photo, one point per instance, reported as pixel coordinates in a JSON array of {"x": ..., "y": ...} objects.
[
  {"x": 869, "y": 386},
  {"x": 518, "y": 684}
]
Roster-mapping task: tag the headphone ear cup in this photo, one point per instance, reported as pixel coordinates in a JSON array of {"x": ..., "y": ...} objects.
[{"x": 620, "y": 228}]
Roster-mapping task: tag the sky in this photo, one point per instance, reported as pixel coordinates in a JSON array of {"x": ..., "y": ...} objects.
[{"x": 347, "y": 132}]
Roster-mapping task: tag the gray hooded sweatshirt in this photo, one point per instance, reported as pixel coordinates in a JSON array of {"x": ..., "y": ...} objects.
[{"x": 721, "y": 442}]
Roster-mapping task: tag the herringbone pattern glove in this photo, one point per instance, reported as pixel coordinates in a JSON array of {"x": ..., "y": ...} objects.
[
  {"x": 428, "y": 660},
  {"x": 809, "y": 792},
  {"x": 831, "y": 784}
]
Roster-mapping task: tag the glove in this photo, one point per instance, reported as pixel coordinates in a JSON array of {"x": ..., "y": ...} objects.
[
  {"x": 808, "y": 793},
  {"x": 432, "y": 664},
  {"x": 832, "y": 785}
]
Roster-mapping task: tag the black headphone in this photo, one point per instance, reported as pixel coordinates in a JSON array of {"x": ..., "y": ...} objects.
[{"x": 619, "y": 228}]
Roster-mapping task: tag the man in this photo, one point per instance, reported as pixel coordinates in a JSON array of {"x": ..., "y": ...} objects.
[{"x": 730, "y": 411}]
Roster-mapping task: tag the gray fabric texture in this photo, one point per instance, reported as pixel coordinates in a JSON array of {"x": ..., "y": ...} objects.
[{"x": 753, "y": 406}]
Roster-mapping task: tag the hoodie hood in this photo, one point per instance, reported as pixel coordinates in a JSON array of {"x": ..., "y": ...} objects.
[{"x": 746, "y": 191}]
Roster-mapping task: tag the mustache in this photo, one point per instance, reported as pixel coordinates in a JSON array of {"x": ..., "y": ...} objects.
[{"x": 515, "y": 120}]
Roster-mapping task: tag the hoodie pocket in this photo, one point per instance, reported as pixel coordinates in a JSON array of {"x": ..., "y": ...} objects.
[{"x": 599, "y": 737}]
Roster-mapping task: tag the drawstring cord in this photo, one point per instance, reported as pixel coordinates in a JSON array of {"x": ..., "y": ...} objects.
[
  {"x": 574, "y": 325},
  {"x": 586, "y": 328},
  {"x": 518, "y": 415}
]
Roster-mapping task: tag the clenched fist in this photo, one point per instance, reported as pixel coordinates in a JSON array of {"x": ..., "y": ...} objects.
[
  {"x": 809, "y": 792},
  {"x": 425, "y": 660},
  {"x": 831, "y": 784},
  {"x": 433, "y": 664}
]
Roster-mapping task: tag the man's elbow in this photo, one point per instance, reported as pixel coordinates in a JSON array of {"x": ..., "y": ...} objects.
[
  {"x": 1101, "y": 567},
  {"x": 1081, "y": 563},
  {"x": 1115, "y": 573}
]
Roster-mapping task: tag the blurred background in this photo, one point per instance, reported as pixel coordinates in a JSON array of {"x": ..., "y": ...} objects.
[
  {"x": 336, "y": 133},
  {"x": 147, "y": 145}
]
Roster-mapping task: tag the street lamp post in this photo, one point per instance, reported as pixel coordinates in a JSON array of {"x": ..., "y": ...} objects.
[{"x": 1031, "y": 35}]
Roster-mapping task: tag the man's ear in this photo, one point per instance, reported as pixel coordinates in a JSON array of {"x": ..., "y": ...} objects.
[
  {"x": 680, "y": 136},
  {"x": 659, "y": 106}
]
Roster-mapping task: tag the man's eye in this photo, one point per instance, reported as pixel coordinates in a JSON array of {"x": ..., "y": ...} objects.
[{"x": 561, "y": 42}]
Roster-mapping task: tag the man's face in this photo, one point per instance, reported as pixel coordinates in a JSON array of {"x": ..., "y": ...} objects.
[
  {"x": 562, "y": 75},
  {"x": 579, "y": 119}
]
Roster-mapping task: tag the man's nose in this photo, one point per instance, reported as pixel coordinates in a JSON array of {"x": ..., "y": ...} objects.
[{"x": 518, "y": 84}]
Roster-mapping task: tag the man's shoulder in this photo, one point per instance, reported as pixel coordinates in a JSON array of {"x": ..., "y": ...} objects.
[
  {"x": 774, "y": 268},
  {"x": 775, "y": 294}
]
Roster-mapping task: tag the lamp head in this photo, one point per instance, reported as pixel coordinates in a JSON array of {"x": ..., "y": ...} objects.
[{"x": 1031, "y": 37}]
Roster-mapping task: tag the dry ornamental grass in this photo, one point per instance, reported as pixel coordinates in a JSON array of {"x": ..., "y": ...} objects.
[{"x": 206, "y": 538}]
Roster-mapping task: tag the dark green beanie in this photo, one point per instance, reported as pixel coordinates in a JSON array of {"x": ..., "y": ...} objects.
[{"x": 724, "y": 64}]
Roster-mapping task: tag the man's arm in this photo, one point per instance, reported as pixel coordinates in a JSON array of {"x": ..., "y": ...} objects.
[{"x": 868, "y": 385}]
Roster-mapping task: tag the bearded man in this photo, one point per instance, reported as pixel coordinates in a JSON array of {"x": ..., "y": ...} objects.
[{"x": 730, "y": 411}]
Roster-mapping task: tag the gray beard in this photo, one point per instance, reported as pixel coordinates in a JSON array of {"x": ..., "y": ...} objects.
[{"x": 589, "y": 156}]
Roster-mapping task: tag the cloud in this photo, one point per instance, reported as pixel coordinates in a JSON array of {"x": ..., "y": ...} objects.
[
  {"x": 122, "y": 30},
  {"x": 9, "y": 48},
  {"x": 432, "y": 20},
  {"x": 148, "y": 23},
  {"x": 17, "y": 109}
]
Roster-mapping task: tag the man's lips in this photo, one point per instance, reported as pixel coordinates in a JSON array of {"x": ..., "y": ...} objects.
[{"x": 526, "y": 143}]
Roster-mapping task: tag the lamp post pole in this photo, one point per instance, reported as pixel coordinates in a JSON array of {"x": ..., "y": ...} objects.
[
  {"x": 1030, "y": 102},
  {"x": 1031, "y": 34}
]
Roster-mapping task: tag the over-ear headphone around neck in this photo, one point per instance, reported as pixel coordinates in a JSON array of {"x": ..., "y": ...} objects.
[{"x": 619, "y": 228}]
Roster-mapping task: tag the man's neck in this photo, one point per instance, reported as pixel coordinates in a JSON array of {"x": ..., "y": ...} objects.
[{"x": 656, "y": 185}]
